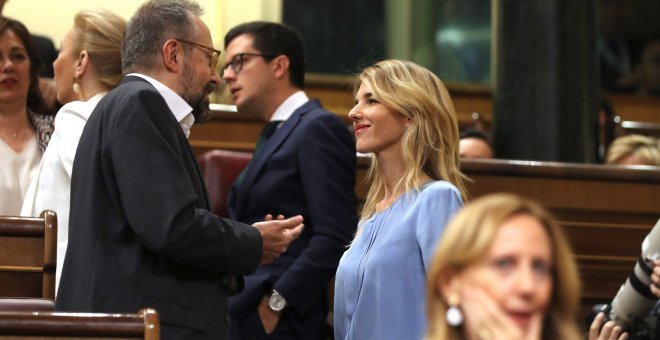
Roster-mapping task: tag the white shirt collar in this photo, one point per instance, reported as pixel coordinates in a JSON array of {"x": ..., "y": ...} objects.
[
  {"x": 291, "y": 104},
  {"x": 181, "y": 110}
]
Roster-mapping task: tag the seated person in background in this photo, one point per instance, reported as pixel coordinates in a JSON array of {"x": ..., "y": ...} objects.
[
  {"x": 634, "y": 150},
  {"x": 503, "y": 270},
  {"x": 475, "y": 144},
  {"x": 615, "y": 48},
  {"x": 24, "y": 130},
  {"x": 88, "y": 66},
  {"x": 648, "y": 69}
]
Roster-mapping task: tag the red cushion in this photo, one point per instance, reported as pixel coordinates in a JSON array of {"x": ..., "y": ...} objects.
[{"x": 219, "y": 169}]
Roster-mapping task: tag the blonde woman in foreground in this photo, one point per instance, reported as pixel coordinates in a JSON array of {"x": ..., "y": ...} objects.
[{"x": 503, "y": 270}]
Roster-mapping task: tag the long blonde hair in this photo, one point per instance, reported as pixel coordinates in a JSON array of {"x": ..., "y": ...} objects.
[
  {"x": 467, "y": 240},
  {"x": 431, "y": 141},
  {"x": 100, "y": 32}
]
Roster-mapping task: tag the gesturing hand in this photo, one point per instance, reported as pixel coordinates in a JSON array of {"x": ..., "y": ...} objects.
[
  {"x": 277, "y": 234},
  {"x": 487, "y": 321}
]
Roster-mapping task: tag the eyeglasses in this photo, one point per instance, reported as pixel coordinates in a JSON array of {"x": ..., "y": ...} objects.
[
  {"x": 236, "y": 62},
  {"x": 214, "y": 56}
]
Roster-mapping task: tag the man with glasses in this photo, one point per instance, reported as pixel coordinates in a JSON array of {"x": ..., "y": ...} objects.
[
  {"x": 304, "y": 164},
  {"x": 141, "y": 233}
]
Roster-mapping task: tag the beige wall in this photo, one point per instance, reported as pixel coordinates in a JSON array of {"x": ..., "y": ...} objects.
[{"x": 53, "y": 18}]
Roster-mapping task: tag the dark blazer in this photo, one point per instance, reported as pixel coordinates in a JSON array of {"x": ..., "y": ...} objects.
[
  {"x": 141, "y": 234},
  {"x": 307, "y": 167}
]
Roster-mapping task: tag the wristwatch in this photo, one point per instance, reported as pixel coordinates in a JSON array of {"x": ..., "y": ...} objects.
[{"x": 276, "y": 301}]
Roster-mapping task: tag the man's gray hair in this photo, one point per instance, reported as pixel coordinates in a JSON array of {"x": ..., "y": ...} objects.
[{"x": 151, "y": 25}]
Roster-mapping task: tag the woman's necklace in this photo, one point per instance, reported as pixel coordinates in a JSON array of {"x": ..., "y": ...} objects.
[{"x": 13, "y": 136}]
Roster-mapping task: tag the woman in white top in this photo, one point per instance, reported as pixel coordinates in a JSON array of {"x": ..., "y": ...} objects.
[
  {"x": 87, "y": 67},
  {"x": 24, "y": 133}
]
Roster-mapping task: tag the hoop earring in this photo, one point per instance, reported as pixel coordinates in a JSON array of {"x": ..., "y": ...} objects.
[
  {"x": 454, "y": 316},
  {"x": 76, "y": 86}
]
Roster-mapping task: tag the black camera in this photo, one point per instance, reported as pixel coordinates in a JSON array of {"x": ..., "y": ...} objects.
[{"x": 631, "y": 307}]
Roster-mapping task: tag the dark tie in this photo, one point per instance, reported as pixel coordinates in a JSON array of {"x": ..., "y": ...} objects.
[
  {"x": 265, "y": 135},
  {"x": 268, "y": 131}
]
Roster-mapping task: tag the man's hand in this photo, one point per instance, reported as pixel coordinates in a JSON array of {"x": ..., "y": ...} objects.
[
  {"x": 269, "y": 318},
  {"x": 609, "y": 331},
  {"x": 277, "y": 234},
  {"x": 655, "y": 279}
]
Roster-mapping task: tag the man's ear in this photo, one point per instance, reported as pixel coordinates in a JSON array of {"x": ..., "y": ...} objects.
[
  {"x": 172, "y": 52},
  {"x": 281, "y": 66},
  {"x": 81, "y": 65}
]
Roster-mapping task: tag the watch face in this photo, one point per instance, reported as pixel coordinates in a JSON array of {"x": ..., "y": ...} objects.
[{"x": 276, "y": 302}]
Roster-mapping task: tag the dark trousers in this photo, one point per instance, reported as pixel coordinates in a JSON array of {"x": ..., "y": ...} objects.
[{"x": 291, "y": 326}]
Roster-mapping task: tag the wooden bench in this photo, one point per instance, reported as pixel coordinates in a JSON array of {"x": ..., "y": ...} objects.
[
  {"x": 48, "y": 325},
  {"x": 28, "y": 255}
]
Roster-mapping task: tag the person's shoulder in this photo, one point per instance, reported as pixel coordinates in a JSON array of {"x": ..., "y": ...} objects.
[
  {"x": 320, "y": 111},
  {"x": 317, "y": 114},
  {"x": 131, "y": 83},
  {"x": 130, "y": 88},
  {"x": 75, "y": 110},
  {"x": 440, "y": 188},
  {"x": 40, "y": 119}
]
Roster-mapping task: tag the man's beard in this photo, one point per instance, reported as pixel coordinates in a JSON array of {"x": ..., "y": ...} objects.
[
  {"x": 198, "y": 101},
  {"x": 201, "y": 110}
]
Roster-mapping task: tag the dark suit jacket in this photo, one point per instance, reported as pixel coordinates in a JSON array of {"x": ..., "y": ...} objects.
[
  {"x": 140, "y": 230},
  {"x": 307, "y": 167}
]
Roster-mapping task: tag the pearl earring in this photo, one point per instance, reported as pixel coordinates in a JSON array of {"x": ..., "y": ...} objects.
[
  {"x": 76, "y": 86},
  {"x": 454, "y": 316}
]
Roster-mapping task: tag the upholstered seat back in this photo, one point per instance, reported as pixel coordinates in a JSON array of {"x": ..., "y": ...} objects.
[{"x": 220, "y": 168}]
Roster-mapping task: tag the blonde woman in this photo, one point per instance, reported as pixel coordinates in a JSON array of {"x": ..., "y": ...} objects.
[
  {"x": 87, "y": 67},
  {"x": 404, "y": 117},
  {"x": 503, "y": 270}
]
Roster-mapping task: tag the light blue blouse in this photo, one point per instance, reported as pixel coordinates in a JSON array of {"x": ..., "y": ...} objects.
[{"x": 381, "y": 279}]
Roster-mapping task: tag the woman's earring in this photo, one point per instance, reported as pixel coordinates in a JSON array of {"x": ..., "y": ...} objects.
[
  {"x": 454, "y": 316},
  {"x": 76, "y": 86}
]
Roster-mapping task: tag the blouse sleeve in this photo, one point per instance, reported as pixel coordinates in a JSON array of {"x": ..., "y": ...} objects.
[{"x": 438, "y": 204}]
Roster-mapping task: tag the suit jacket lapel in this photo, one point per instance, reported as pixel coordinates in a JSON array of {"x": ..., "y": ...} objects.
[
  {"x": 257, "y": 163},
  {"x": 191, "y": 161}
]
